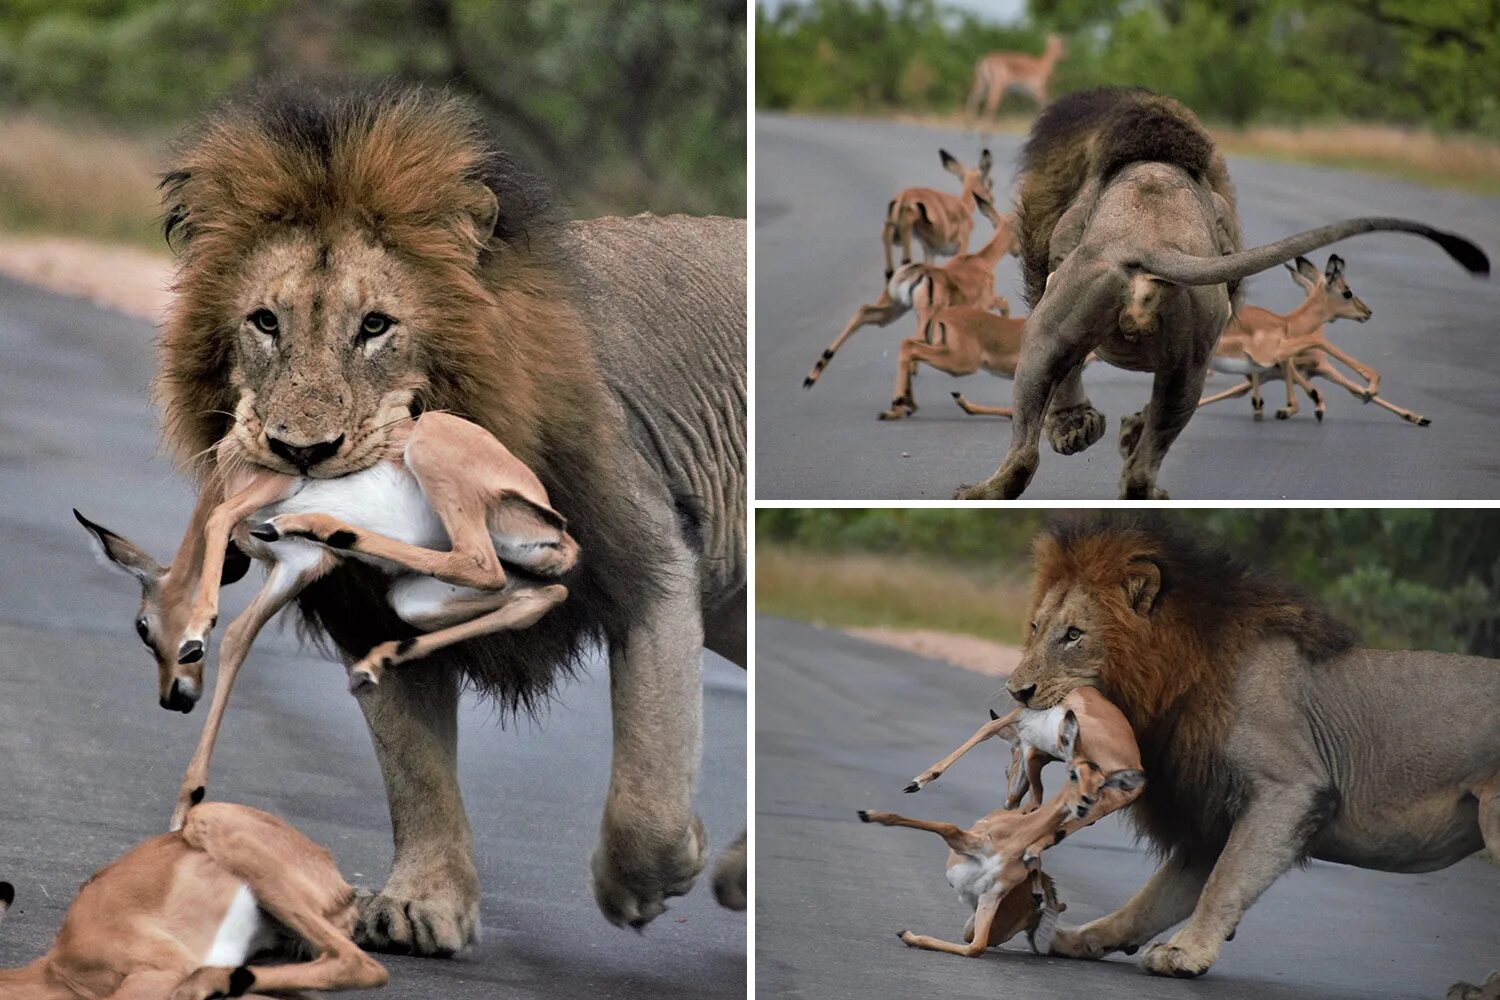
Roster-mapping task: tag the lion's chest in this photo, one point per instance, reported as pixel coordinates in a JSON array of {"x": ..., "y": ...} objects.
[{"x": 384, "y": 499}]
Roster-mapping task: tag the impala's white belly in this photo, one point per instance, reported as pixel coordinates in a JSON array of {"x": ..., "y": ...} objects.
[
  {"x": 241, "y": 933},
  {"x": 385, "y": 499},
  {"x": 1242, "y": 366},
  {"x": 973, "y": 877},
  {"x": 1040, "y": 729}
]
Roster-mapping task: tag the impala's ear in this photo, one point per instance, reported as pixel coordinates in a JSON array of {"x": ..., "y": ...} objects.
[
  {"x": 236, "y": 564},
  {"x": 1067, "y": 734},
  {"x": 1126, "y": 781},
  {"x": 1142, "y": 584},
  {"x": 951, "y": 164},
  {"x": 1335, "y": 267},
  {"x": 121, "y": 553},
  {"x": 1305, "y": 273}
]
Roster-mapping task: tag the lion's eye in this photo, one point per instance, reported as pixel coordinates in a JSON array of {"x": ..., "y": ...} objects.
[
  {"x": 374, "y": 325},
  {"x": 265, "y": 321},
  {"x": 143, "y": 630},
  {"x": 1033, "y": 626},
  {"x": 1074, "y": 633}
]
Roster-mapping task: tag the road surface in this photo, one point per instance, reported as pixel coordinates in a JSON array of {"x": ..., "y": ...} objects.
[
  {"x": 821, "y": 190},
  {"x": 842, "y": 725},
  {"x": 89, "y": 764}
]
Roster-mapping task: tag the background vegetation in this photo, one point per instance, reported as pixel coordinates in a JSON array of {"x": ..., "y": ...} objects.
[
  {"x": 1404, "y": 578},
  {"x": 626, "y": 104}
]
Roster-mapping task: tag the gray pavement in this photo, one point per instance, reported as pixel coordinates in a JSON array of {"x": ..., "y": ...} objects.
[
  {"x": 821, "y": 189},
  {"x": 89, "y": 764},
  {"x": 842, "y": 725}
]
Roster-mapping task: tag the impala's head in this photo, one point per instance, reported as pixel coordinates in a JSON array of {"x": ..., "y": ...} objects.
[
  {"x": 1055, "y": 47},
  {"x": 1087, "y": 784},
  {"x": 163, "y": 613},
  {"x": 330, "y": 263},
  {"x": 1338, "y": 299},
  {"x": 976, "y": 180}
]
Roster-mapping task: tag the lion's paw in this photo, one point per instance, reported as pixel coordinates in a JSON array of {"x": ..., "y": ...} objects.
[
  {"x": 432, "y": 928},
  {"x": 1168, "y": 959},
  {"x": 731, "y": 879},
  {"x": 1073, "y": 428},
  {"x": 635, "y": 875},
  {"x": 1078, "y": 942}
]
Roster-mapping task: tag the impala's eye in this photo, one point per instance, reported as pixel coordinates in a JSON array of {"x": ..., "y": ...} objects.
[
  {"x": 265, "y": 321},
  {"x": 1073, "y": 634},
  {"x": 374, "y": 325},
  {"x": 143, "y": 630},
  {"x": 1072, "y": 775},
  {"x": 1348, "y": 294}
]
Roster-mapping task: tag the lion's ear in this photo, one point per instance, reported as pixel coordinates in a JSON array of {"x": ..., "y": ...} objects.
[
  {"x": 485, "y": 210},
  {"x": 1142, "y": 584}
]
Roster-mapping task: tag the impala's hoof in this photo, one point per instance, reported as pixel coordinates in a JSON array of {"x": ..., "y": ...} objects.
[{"x": 266, "y": 532}]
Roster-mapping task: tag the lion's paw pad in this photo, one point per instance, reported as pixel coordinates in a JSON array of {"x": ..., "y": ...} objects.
[
  {"x": 1172, "y": 960},
  {"x": 433, "y": 928},
  {"x": 632, "y": 885},
  {"x": 1073, "y": 429}
]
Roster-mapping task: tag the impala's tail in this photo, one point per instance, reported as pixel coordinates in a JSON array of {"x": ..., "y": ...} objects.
[{"x": 1187, "y": 269}]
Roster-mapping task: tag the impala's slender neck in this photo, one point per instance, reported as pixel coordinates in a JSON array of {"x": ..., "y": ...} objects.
[
  {"x": 1310, "y": 317},
  {"x": 992, "y": 251},
  {"x": 182, "y": 575}
]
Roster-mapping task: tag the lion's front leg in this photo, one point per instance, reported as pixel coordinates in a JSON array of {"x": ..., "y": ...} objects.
[
  {"x": 1167, "y": 898},
  {"x": 1265, "y": 841},
  {"x": 651, "y": 845},
  {"x": 430, "y": 903}
]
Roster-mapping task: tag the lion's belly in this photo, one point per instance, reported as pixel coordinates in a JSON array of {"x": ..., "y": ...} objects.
[{"x": 1438, "y": 830}]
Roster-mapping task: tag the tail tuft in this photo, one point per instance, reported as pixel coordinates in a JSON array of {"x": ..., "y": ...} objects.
[{"x": 1467, "y": 254}]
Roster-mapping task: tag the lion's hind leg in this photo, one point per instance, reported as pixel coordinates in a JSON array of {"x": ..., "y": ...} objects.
[{"x": 1488, "y": 794}]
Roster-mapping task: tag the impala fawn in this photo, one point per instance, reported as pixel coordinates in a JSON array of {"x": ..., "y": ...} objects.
[
  {"x": 443, "y": 482},
  {"x": 1295, "y": 348},
  {"x": 181, "y": 915},
  {"x": 941, "y": 222}
]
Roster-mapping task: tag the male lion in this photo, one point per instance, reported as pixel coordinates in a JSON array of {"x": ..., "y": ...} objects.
[
  {"x": 347, "y": 260},
  {"x": 1130, "y": 248},
  {"x": 1267, "y": 735}
]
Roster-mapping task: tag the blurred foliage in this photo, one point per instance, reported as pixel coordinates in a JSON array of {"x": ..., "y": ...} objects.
[
  {"x": 1412, "y": 578},
  {"x": 627, "y": 104},
  {"x": 1429, "y": 62}
]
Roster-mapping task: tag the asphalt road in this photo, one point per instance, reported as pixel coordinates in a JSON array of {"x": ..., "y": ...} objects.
[
  {"x": 89, "y": 764},
  {"x": 842, "y": 725},
  {"x": 821, "y": 190}
]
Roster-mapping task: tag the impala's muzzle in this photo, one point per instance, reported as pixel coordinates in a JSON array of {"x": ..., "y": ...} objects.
[{"x": 182, "y": 696}]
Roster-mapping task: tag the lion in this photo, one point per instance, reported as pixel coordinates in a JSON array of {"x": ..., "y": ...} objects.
[
  {"x": 1130, "y": 249},
  {"x": 1269, "y": 735},
  {"x": 345, "y": 261}
]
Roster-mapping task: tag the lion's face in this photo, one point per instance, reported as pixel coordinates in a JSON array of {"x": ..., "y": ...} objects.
[
  {"x": 325, "y": 357},
  {"x": 1077, "y": 627},
  {"x": 1064, "y": 650}
]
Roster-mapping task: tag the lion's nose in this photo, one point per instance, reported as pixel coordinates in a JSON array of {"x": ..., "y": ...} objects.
[
  {"x": 305, "y": 456},
  {"x": 1023, "y": 695}
]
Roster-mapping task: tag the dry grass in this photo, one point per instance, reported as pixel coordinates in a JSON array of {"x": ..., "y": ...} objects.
[
  {"x": 875, "y": 591},
  {"x": 78, "y": 182},
  {"x": 1446, "y": 161}
]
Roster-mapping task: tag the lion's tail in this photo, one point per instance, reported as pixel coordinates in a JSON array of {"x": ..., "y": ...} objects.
[{"x": 1187, "y": 269}]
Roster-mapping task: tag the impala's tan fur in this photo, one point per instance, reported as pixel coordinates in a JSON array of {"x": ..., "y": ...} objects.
[
  {"x": 609, "y": 356},
  {"x": 997, "y": 72},
  {"x": 940, "y": 221},
  {"x": 968, "y": 279},
  {"x": 965, "y": 340},
  {"x": 142, "y": 928},
  {"x": 1295, "y": 347}
]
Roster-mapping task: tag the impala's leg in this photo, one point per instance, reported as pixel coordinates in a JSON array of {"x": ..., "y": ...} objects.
[
  {"x": 1370, "y": 375},
  {"x": 996, "y": 92},
  {"x": 1233, "y": 392},
  {"x": 338, "y": 964},
  {"x": 955, "y": 837},
  {"x": 471, "y": 562},
  {"x": 1167, "y": 898},
  {"x": 944, "y": 355},
  {"x": 519, "y": 610},
  {"x": 888, "y": 239},
  {"x": 288, "y": 578},
  {"x": 1174, "y": 398},
  {"x": 1325, "y": 370},
  {"x": 1404, "y": 414},
  {"x": 984, "y": 917},
  {"x": 1057, "y": 344},
  {"x": 980, "y": 409},
  {"x": 1313, "y": 394},
  {"x": 1034, "y": 764},
  {"x": 987, "y": 731},
  {"x": 906, "y": 229},
  {"x": 221, "y": 523},
  {"x": 883, "y": 312},
  {"x": 1289, "y": 378},
  {"x": 1257, "y": 852}
]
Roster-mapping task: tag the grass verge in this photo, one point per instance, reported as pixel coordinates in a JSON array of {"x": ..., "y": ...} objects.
[{"x": 862, "y": 590}]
